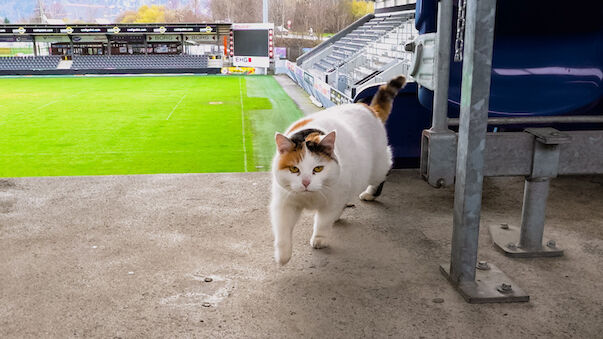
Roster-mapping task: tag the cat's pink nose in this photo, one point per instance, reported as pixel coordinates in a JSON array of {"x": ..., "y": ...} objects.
[{"x": 305, "y": 182}]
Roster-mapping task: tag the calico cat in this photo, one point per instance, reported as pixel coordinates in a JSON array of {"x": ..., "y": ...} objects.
[{"x": 324, "y": 161}]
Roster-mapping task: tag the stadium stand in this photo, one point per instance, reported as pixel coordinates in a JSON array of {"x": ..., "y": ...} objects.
[
  {"x": 368, "y": 53},
  {"x": 30, "y": 63},
  {"x": 139, "y": 61}
]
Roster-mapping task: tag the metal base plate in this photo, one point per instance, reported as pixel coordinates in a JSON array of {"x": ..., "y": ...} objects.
[
  {"x": 485, "y": 288},
  {"x": 502, "y": 237}
]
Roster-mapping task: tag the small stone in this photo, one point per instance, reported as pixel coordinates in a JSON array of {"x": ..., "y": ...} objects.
[
  {"x": 206, "y": 304},
  {"x": 130, "y": 273},
  {"x": 201, "y": 321},
  {"x": 94, "y": 246},
  {"x": 334, "y": 298},
  {"x": 208, "y": 279},
  {"x": 438, "y": 300}
]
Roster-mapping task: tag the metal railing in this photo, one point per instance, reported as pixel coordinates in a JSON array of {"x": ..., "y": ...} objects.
[{"x": 374, "y": 57}]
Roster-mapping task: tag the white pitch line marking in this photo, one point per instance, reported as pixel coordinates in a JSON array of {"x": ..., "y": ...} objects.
[
  {"x": 173, "y": 109},
  {"x": 48, "y": 104},
  {"x": 243, "y": 124}
]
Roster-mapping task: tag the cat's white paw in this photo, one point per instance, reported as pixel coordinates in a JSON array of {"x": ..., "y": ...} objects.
[
  {"x": 366, "y": 196},
  {"x": 318, "y": 242},
  {"x": 282, "y": 253}
]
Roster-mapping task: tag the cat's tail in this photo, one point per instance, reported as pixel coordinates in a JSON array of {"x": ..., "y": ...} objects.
[{"x": 383, "y": 99}]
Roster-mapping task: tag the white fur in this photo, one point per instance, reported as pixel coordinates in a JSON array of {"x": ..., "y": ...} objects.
[{"x": 363, "y": 160}]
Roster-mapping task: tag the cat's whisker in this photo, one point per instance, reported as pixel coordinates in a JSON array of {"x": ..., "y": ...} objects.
[{"x": 323, "y": 195}]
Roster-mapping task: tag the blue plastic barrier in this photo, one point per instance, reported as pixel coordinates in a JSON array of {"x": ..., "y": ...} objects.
[
  {"x": 547, "y": 59},
  {"x": 405, "y": 124}
]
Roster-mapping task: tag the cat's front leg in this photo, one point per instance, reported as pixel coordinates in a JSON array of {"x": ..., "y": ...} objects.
[
  {"x": 284, "y": 217},
  {"x": 323, "y": 223}
]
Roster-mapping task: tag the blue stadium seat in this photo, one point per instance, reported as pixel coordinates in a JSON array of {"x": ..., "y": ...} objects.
[{"x": 547, "y": 58}]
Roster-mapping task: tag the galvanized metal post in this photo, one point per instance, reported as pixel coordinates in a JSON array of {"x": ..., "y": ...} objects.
[
  {"x": 492, "y": 285},
  {"x": 438, "y": 143},
  {"x": 475, "y": 95},
  {"x": 440, "y": 99},
  {"x": 535, "y": 195}
]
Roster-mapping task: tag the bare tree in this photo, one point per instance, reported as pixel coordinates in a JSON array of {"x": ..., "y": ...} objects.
[{"x": 236, "y": 10}]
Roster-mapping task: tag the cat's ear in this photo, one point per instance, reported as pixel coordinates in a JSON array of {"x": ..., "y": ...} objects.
[
  {"x": 283, "y": 144},
  {"x": 328, "y": 142}
]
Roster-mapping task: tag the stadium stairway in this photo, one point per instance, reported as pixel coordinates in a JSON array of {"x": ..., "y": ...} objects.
[
  {"x": 357, "y": 39},
  {"x": 366, "y": 51},
  {"x": 65, "y": 64}
]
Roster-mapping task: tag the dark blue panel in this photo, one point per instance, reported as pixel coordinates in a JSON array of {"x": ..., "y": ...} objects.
[
  {"x": 405, "y": 124},
  {"x": 543, "y": 64},
  {"x": 426, "y": 16}
]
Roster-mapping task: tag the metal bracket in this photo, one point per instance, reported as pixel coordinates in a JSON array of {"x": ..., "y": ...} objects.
[
  {"x": 438, "y": 157},
  {"x": 422, "y": 67},
  {"x": 527, "y": 241},
  {"x": 549, "y": 136},
  {"x": 491, "y": 285},
  {"x": 506, "y": 237}
]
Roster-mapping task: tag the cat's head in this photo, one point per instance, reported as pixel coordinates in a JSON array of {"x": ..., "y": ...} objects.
[{"x": 306, "y": 161}]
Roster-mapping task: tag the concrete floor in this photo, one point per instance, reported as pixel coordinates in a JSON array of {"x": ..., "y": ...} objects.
[{"x": 126, "y": 256}]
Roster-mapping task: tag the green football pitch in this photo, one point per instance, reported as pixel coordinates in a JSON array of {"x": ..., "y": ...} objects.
[{"x": 140, "y": 125}]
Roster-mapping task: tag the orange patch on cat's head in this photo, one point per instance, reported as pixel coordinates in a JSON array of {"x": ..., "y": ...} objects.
[
  {"x": 314, "y": 137},
  {"x": 290, "y": 153},
  {"x": 290, "y": 158}
]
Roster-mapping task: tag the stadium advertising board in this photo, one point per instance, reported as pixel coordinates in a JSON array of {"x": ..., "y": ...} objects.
[
  {"x": 52, "y": 38},
  {"x": 290, "y": 66},
  {"x": 201, "y": 37},
  {"x": 252, "y": 44},
  {"x": 88, "y": 38},
  {"x": 108, "y": 29},
  {"x": 11, "y": 38},
  {"x": 338, "y": 98},
  {"x": 280, "y": 52},
  {"x": 323, "y": 92},
  {"x": 238, "y": 70},
  {"x": 308, "y": 78},
  {"x": 322, "y": 88},
  {"x": 161, "y": 37},
  {"x": 127, "y": 38}
]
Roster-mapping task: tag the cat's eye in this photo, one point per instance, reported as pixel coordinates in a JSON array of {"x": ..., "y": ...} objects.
[
  {"x": 294, "y": 169},
  {"x": 318, "y": 169}
]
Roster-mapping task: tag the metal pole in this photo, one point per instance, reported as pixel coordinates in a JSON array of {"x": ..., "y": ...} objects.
[
  {"x": 35, "y": 46},
  {"x": 440, "y": 98},
  {"x": 535, "y": 196},
  {"x": 475, "y": 95},
  {"x": 71, "y": 47},
  {"x": 265, "y": 11}
]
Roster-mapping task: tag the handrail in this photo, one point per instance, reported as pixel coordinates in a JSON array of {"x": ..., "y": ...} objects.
[{"x": 334, "y": 38}]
